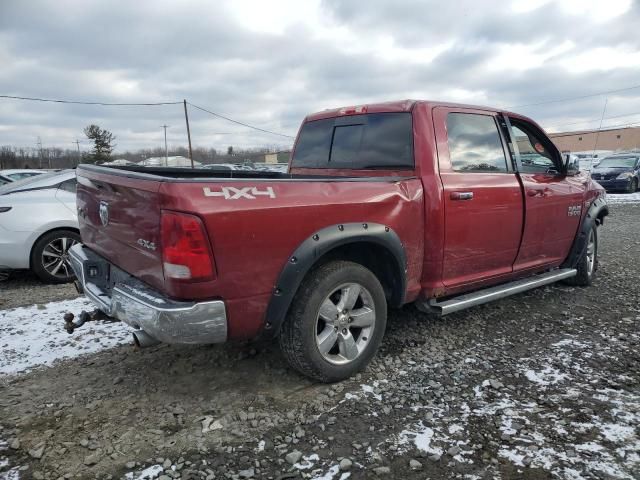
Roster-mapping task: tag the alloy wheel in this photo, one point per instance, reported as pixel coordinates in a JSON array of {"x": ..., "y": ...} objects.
[
  {"x": 591, "y": 253},
  {"x": 344, "y": 323},
  {"x": 55, "y": 257}
]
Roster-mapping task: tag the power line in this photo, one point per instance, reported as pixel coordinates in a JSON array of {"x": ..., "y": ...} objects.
[
  {"x": 569, "y": 99},
  {"x": 240, "y": 123},
  {"x": 77, "y": 102}
]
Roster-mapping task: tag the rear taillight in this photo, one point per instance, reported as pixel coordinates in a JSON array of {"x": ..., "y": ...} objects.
[{"x": 186, "y": 254}]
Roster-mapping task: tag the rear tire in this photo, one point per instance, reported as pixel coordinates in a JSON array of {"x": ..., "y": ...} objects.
[
  {"x": 335, "y": 323},
  {"x": 588, "y": 264},
  {"x": 50, "y": 256}
]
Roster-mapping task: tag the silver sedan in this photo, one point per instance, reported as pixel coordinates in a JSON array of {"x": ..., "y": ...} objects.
[{"x": 38, "y": 225}]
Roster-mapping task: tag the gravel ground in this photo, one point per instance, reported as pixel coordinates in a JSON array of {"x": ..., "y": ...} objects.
[
  {"x": 23, "y": 288},
  {"x": 540, "y": 385}
]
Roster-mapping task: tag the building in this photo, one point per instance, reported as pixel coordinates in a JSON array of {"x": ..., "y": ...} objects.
[
  {"x": 614, "y": 139},
  {"x": 277, "y": 157}
]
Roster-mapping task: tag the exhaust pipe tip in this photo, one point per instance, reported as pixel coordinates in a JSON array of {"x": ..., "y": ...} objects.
[{"x": 143, "y": 340}]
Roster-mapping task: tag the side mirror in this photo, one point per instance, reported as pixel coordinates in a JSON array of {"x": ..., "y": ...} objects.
[{"x": 571, "y": 168}]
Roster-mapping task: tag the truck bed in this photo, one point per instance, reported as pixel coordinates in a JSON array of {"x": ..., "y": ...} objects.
[{"x": 254, "y": 221}]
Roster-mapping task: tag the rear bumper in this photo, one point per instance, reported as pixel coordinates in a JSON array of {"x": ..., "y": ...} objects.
[{"x": 122, "y": 296}]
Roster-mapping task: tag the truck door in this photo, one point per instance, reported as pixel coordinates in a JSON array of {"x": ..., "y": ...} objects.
[
  {"x": 482, "y": 197},
  {"x": 553, "y": 200}
]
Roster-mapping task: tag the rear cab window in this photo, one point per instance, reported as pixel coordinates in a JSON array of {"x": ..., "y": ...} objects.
[{"x": 368, "y": 141}]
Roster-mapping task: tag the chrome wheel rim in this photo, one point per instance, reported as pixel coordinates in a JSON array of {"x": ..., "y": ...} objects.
[
  {"x": 344, "y": 323},
  {"x": 55, "y": 257},
  {"x": 591, "y": 253}
]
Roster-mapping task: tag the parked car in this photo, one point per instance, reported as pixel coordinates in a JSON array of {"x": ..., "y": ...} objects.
[
  {"x": 385, "y": 204},
  {"x": 19, "y": 174},
  {"x": 223, "y": 166},
  {"x": 593, "y": 156},
  {"x": 272, "y": 167},
  {"x": 38, "y": 225},
  {"x": 619, "y": 172}
]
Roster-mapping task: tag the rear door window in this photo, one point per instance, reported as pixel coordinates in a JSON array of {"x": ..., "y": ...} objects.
[
  {"x": 475, "y": 144},
  {"x": 375, "y": 140}
]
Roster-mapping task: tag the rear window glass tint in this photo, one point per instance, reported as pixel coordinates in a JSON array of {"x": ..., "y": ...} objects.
[{"x": 377, "y": 140}]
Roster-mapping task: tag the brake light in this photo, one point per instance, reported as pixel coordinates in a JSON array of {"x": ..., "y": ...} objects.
[
  {"x": 186, "y": 254},
  {"x": 352, "y": 110}
]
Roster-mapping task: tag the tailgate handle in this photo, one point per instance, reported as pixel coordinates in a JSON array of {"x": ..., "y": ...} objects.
[{"x": 461, "y": 195}]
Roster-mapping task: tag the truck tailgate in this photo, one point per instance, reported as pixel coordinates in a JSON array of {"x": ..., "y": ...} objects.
[{"x": 120, "y": 220}]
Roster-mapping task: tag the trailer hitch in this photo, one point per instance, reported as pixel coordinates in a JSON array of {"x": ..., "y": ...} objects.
[{"x": 83, "y": 317}]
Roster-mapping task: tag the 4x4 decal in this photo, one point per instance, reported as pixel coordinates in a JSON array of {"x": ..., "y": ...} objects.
[{"x": 232, "y": 193}]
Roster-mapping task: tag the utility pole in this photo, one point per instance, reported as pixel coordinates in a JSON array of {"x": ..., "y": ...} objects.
[
  {"x": 166, "y": 150},
  {"x": 39, "y": 143},
  {"x": 186, "y": 117},
  {"x": 595, "y": 146},
  {"x": 77, "y": 142}
]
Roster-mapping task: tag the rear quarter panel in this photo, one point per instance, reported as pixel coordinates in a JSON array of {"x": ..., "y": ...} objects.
[{"x": 252, "y": 239}]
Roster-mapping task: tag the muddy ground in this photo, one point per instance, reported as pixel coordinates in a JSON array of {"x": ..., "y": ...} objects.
[{"x": 541, "y": 385}]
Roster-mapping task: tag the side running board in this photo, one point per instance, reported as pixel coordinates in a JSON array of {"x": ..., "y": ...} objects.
[{"x": 494, "y": 293}]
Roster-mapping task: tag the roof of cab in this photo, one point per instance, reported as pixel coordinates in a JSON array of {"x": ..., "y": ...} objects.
[{"x": 390, "y": 107}]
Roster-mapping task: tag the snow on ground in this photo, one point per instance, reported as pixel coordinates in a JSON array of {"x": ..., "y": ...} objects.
[
  {"x": 623, "y": 198},
  {"x": 605, "y": 441},
  {"x": 151, "y": 472},
  {"x": 34, "y": 336},
  {"x": 12, "y": 474}
]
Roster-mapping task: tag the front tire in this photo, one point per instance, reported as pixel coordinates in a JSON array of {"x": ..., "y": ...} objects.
[
  {"x": 588, "y": 264},
  {"x": 633, "y": 186},
  {"x": 335, "y": 323},
  {"x": 50, "y": 256}
]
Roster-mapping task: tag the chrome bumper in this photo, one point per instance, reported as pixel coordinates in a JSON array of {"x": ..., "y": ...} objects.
[{"x": 122, "y": 296}]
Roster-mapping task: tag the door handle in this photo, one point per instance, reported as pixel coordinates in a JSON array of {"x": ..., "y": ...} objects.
[
  {"x": 537, "y": 192},
  {"x": 461, "y": 195}
]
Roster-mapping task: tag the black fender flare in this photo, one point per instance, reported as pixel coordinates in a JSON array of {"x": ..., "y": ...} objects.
[
  {"x": 597, "y": 209},
  {"x": 315, "y": 247}
]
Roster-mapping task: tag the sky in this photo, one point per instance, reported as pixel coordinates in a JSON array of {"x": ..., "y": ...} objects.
[{"x": 270, "y": 63}]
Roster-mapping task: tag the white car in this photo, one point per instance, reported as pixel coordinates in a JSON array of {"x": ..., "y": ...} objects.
[
  {"x": 38, "y": 225},
  {"x": 18, "y": 174}
]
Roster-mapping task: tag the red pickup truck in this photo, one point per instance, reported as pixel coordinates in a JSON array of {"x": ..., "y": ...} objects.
[{"x": 445, "y": 205}]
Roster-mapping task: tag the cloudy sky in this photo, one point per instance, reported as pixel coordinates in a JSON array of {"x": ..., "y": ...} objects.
[{"x": 268, "y": 63}]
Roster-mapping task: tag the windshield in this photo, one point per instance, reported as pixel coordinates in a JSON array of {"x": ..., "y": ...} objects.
[
  {"x": 37, "y": 181},
  {"x": 617, "y": 162}
]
